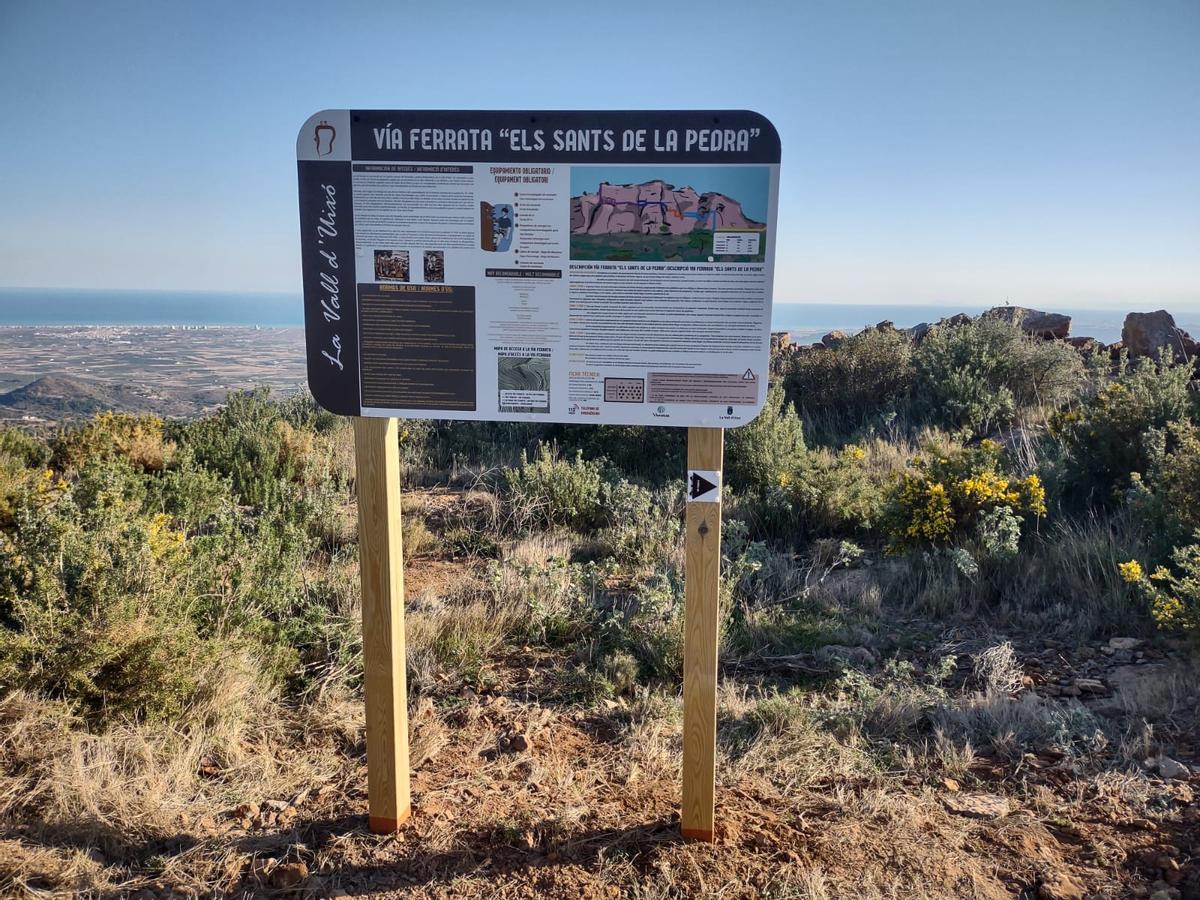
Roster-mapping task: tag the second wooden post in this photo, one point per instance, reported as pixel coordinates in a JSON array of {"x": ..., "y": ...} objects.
[
  {"x": 701, "y": 624},
  {"x": 381, "y": 564}
]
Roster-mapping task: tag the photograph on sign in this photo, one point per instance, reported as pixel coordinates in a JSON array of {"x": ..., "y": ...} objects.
[{"x": 576, "y": 267}]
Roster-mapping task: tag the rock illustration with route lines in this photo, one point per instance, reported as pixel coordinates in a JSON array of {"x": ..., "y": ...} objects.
[{"x": 654, "y": 220}]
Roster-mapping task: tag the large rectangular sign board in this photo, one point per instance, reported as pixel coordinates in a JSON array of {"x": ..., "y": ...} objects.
[{"x": 580, "y": 267}]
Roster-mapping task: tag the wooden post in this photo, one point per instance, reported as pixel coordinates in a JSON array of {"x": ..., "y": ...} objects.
[
  {"x": 701, "y": 622},
  {"x": 381, "y": 566}
]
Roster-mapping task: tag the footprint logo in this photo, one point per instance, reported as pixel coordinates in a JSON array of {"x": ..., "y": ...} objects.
[{"x": 323, "y": 136}]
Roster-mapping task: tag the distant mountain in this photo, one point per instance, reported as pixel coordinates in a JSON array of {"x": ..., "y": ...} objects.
[
  {"x": 65, "y": 396},
  {"x": 655, "y": 207}
]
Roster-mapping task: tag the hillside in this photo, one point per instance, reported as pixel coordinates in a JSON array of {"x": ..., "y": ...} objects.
[
  {"x": 68, "y": 397},
  {"x": 958, "y": 642}
]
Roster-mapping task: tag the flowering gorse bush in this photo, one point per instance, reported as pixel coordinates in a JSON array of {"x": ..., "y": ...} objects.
[
  {"x": 966, "y": 494},
  {"x": 1173, "y": 594}
]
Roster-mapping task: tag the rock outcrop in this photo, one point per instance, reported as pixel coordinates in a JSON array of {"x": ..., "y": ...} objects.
[
  {"x": 1033, "y": 321},
  {"x": 834, "y": 339},
  {"x": 1144, "y": 334},
  {"x": 655, "y": 207}
]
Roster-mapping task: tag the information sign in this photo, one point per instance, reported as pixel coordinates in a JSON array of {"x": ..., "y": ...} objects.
[{"x": 602, "y": 267}]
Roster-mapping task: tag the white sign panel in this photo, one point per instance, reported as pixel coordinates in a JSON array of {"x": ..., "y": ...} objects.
[{"x": 602, "y": 267}]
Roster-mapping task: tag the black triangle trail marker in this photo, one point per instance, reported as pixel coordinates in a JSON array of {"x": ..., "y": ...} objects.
[{"x": 703, "y": 486}]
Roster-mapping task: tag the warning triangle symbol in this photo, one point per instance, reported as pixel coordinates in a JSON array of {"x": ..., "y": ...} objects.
[
  {"x": 749, "y": 376},
  {"x": 700, "y": 486}
]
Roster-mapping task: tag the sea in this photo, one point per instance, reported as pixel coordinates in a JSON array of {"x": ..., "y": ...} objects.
[{"x": 805, "y": 321}]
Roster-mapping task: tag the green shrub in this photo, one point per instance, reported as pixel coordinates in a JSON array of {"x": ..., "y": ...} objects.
[
  {"x": 987, "y": 374},
  {"x": 642, "y": 527},
  {"x": 94, "y": 602},
  {"x": 1168, "y": 496},
  {"x": 23, "y": 450},
  {"x": 648, "y": 626},
  {"x": 654, "y": 455},
  {"x": 839, "y": 492},
  {"x": 266, "y": 458},
  {"x": 864, "y": 376},
  {"x": 121, "y": 581},
  {"x": 549, "y": 490},
  {"x": 1111, "y": 434},
  {"x": 764, "y": 454},
  {"x": 141, "y": 440}
]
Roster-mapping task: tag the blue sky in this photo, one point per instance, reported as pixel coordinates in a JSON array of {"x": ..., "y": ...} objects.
[{"x": 957, "y": 151}]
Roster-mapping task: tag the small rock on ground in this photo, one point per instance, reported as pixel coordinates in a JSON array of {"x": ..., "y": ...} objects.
[
  {"x": 289, "y": 875},
  {"x": 977, "y": 806},
  {"x": 1060, "y": 886}
]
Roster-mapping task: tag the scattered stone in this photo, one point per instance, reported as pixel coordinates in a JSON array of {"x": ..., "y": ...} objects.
[
  {"x": 209, "y": 766},
  {"x": 855, "y": 656},
  {"x": 1125, "y": 643},
  {"x": 247, "y": 810},
  {"x": 1060, "y": 886},
  {"x": 518, "y": 743},
  {"x": 1090, "y": 685},
  {"x": 1170, "y": 768},
  {"x": 275, "y": 805},
  {"x": 952, "y": 785},
  {"x": 289, "y": 875},
  {"x": 977, "y": 806},
  {"x": 300, "y": 798}
]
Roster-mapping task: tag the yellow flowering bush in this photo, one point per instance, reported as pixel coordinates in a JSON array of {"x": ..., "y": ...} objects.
[
  {"x": 1131, "y": 572},
  {"x": 943, "y": 498},
  {"x": 1173, "y": 594}
]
